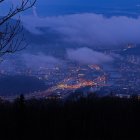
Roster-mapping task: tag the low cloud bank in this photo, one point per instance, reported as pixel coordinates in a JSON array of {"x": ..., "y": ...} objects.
[
  {"x": 88, "y": 56},
  {"x": 28, "y": 61},
  {"x": 35, "y": 62},
  {"x": 39, "y": 60},
  {"x": 88, "y": 29}
]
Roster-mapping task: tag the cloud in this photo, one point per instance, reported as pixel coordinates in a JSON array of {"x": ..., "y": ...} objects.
[
  {"x": 88, "y": 29},
  {"x": 40, "y": 60},
  {"x": 23, "y": 61},
  {"x": 8, "y": 66},
  {"x": 88, "y": 56}
]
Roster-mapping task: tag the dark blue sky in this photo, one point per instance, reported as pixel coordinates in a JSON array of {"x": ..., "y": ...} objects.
[
  {"x": 59, "y": 7},
  {"x": 88, "y": 2},
  {"x": 56, "y": 7}
]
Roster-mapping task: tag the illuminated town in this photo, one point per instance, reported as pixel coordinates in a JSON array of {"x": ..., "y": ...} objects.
[{"x": 62, "y": 80}]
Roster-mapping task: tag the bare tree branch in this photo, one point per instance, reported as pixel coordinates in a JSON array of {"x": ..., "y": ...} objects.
[
  {"x": 11, "y": 39},
  {"x": 25, "y": 5}
]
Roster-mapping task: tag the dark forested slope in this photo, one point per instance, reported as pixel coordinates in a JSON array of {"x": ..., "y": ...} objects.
[{"x": 88, "y": 119}]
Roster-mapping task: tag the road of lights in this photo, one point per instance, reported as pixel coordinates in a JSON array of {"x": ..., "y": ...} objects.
[
  {"x": 80, "y": 84},
  {"x": 76, "y": 86},
  {"x": 63, "y": 86}
]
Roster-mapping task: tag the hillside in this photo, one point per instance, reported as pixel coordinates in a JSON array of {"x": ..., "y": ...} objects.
[{"x": 96, "y": 119}]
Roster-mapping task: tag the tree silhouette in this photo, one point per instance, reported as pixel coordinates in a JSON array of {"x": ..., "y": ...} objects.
[{"x": 10, "y": 38}]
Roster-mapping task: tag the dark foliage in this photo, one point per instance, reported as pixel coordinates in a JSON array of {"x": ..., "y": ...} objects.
[{"x": 88, "y": 119}]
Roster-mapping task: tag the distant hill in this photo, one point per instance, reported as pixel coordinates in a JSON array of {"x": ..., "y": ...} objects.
[
  {"x": 132, "y": 51},
  {"x": 11, "y": 85}
]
